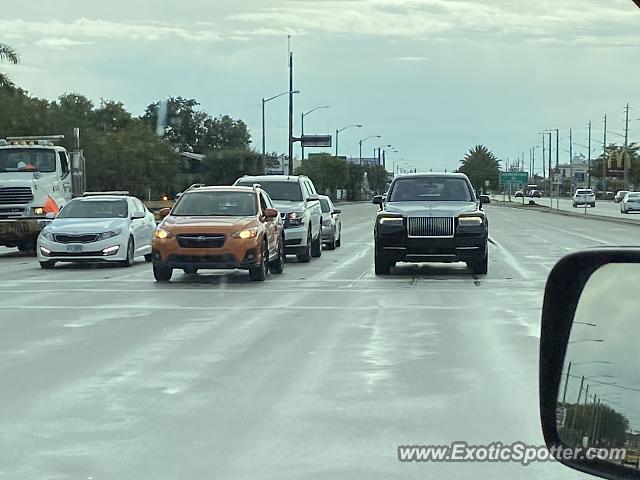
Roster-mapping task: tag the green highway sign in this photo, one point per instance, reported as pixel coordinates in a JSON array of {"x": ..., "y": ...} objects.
[{"x": 514, "y": 178}]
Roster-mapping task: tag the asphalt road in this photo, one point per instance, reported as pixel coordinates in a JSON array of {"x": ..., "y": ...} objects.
[{"x": 318, "y": 373}]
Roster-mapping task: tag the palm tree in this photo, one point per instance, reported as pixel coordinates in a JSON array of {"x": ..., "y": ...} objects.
[
  {"x": 480, "y": 165},
  {"x": 7, "y": 54}
]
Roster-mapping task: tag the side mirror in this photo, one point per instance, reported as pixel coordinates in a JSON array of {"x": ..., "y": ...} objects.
[
  {"x": 336, "y": 211},
  {"x": 313, "y": 198},
  {"x": 589, "y": 362},
  {"x": 270, "y": 213},
  {"x": 163, "y": 212},
  {"x": 377, "y": 200},
  {"x": 484, "y": 199},
  {"x": 50, "y": 215},
  {"x": 138, "y": 215}
]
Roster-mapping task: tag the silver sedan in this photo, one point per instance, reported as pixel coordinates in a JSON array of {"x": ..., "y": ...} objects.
[{"x": 331, "y": 223}]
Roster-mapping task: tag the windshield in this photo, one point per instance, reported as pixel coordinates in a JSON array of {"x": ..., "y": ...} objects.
[
  {"x": 27, "y": 159},
  {"x": 94, "y": 209},
  {"x": 432, "y": 189},
  {"x": 220, "y": 204},
  {"x": 279, "y": 191}
]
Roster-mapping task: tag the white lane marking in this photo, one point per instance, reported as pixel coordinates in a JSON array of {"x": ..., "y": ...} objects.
[
  {"x": 362, "y": 275},
  {"x": 244, "y": 291},
  {"x": 511, "y": 260}
]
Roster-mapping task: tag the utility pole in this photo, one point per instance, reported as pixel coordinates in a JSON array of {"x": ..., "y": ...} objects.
[
  {"x": 626, "y": 144},
  {"x": 580, "y": 391},
  {"x": 550, "y": 179},
  {"x": 604, "y": 156},
  {"x": 264, "y": 141},
  {"x": 290, "y": 110},
  {"x": 570, "y": 163},
  {"x": 302, "y": 135},
  {"x": 544, "y": 170},
  {"x": 566, "y": 382},
  {"x": 589, "y": 159}
]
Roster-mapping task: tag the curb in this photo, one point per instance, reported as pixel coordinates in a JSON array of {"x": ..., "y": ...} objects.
[{"x": 543, "y": 209}]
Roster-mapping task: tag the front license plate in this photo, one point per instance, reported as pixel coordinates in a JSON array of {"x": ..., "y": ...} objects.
[{"x": 74, "y": 248}]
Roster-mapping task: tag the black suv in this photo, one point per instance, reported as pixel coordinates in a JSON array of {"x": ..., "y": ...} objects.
[{"x": 432, "y": 217}]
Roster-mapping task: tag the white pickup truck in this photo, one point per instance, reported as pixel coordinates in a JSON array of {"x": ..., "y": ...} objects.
[{"x": 37, "y": 177}]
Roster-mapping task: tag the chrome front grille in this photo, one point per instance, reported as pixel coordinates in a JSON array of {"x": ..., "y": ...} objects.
[
  {"x": 15, "y": 195},
  {"x": 430, "y": 227}
]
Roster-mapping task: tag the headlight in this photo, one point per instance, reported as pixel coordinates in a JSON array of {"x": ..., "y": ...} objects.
[
  {"x": 109, "y": 234},
  {"x": 248, "y": 233},
  {"x": 38, "y": 211},
  {"x": 295, "y": 215},
  {"x": 391, "y": 221},
  {"x": 162, "y": 233},
  {"x": 47, "y": 235},
  {"x": 473, "y": 221},
  {"x": 326, "y": 222}
]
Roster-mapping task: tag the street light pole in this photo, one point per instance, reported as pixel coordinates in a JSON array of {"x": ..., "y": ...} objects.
[
  {"x": 290, "y": 113},
  {"x": 302, "y": 125},
  {"x": 264, "y": 101},
  {"x": 344, "y": 128},
  {"x": 364, "y": 140}
]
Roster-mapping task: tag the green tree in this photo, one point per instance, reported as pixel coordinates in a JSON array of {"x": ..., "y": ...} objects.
[
  {"x": 179, "y": 120},
  {"x": 223, "y": 132},
  {"x": 225, "y": 166},
  {"x": 355, "y": 176},
  {"x": 377, "y": 178},
  {"x": 111, "y": 116},
  {"x": 480, "y": 164},
  {"x": 327, "y": 173},
  {"x": 7, "y": 54},
  {"x": 22, "y": 114}
]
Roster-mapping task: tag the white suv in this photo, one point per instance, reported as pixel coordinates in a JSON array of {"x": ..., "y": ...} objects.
[
  {"x": 296, "y": 199},
  {"x": 584, "y": 196}
]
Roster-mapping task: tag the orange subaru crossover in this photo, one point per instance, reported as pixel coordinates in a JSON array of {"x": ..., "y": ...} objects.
[{"x": 220, "y": 227}]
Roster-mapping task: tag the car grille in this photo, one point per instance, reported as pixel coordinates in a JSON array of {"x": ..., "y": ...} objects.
[
  {"x": 202, "y": 240},
  {"x": 70, "y": 238},
  {"x": 15, "y": 195},
  {"x": 77, "y": 254},
  {"x": 430, "y": 226}
]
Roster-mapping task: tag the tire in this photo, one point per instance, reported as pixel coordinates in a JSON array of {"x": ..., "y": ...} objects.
[
  {"x": 27, "y": 247},
  {"x": 331, "y": 244},
  {"x": 277, "y": 266},
  {"x": 316, "y": 245},
  {"x": 480, "y": 266},
  {"x": 49, "y": 264},
  {"x": 130, "y": 254},
  {"x": 339, "y": 240},
  {"x": 190, "y": 270},
  {"x": 593, "y": 205},
  {"x": 162, "y": 273},
  {"x": 306, "y": 256},
  {"x": 259, "y": 274},
  {"x": 382, "y": 266},
  {"x": 148, "y": 257}
]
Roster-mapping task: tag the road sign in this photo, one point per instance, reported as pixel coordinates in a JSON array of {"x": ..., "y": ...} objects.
[
  {"x": 486, "y": 183},
  {"x": 315, "y": 140},
  {"x": 514, "y": 178}
]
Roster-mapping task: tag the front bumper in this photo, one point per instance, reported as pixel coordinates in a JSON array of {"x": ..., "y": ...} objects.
[
  {"x": 468, "y": 244},
  {"x": 83, "y": 252},
  {"x": 14, "y": 231},
  {"x": 295, "y": 238},
  {"x": 235, "y": 253}
]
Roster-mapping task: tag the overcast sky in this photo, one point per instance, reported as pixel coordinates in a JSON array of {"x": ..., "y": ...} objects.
[{"x": 433, "y": 77}]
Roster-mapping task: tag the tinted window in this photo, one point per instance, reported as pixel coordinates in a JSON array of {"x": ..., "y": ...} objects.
[
  {"x": 27, "y": 159},
  {"x": 436, "y": 189},
  {"x": 324, "y": 204},
  {"x": 94, "y": 209},
  {"x": 288, "y": 191},
  {"x": 231, "y": 204},
  {"x": 64, "y": 163}
]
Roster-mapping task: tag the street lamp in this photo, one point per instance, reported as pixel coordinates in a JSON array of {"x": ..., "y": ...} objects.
[
  {"x": 265, "y": 100},
  {"x": 379, "y": 149},
  {"x": 364, "y": 140},
  {"x": 302, "y": 125},
  {"x": 357, "y": 125}
]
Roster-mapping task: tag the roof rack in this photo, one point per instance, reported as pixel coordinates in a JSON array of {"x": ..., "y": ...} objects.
[
  {"x": 39, "y": 140},
  {"x": 119, "y": 193},
  {"x": 194, "y": 186}
]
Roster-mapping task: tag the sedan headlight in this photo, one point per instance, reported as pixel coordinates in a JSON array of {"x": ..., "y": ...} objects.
[
  {"x": 48, "y": 235},
  {"x": 470, "y": 221},
  {"x": 295, "y": 215},
  {"x": 110, "y": 234},
  {"x": 247, "y": 233},
  {"x": 161, "y": 233},
  {"x": 391, "y": 221},
  {"x": 326, "y": 222}
]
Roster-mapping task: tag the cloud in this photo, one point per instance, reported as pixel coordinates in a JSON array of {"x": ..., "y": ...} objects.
[
  {"x": 411, "y": 59},
  {"x": 61, "y": 43}
]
